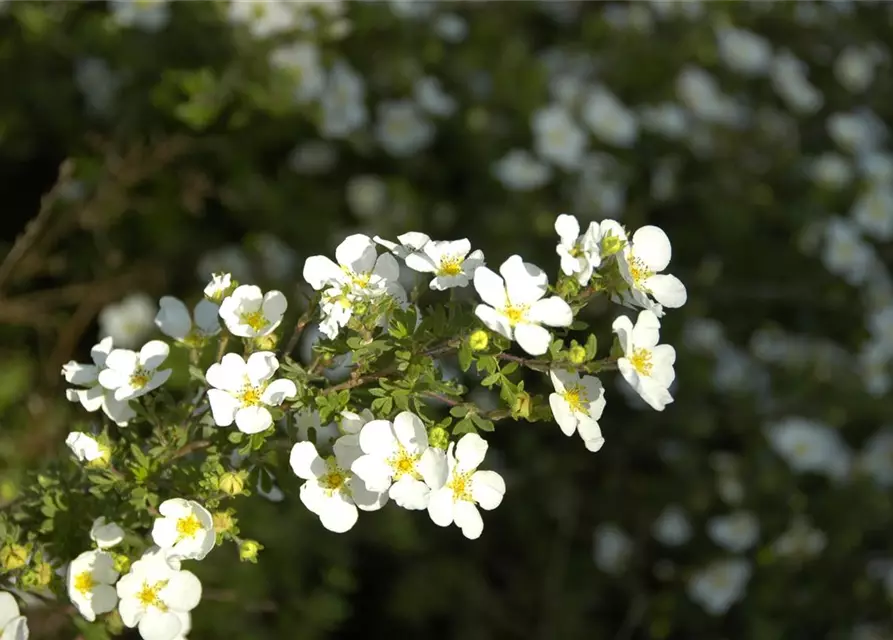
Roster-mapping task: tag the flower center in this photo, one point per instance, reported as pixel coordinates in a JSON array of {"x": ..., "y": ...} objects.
[
  {"x": 450, "y": 266},
  {"x": 254, "y": 319},
  {"x": 403, "y": 463},
  {"x": 802, "y": 448},
  {"x": 460, "y": 484},
  {"x": 639, "y": 271},
  {"x": 139, "y": 378},
  {"x": 335, "y": 479},
  {"x": 84, "y": 583},
  {"x": 576, "y": 398},
  {"x": 187, "y": 527},
  {"x": 641, "y": 361},
  {"x": 515, "y": 315},
  {"x": 249, "y": 396},
  {"x": 148, "y": 595}
]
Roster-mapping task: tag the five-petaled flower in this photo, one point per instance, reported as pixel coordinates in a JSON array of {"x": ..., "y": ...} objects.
[
  {"x": 466, "y": 487},
  {"x": 185, "y": 529},
  {"x": 452, "y": 262},
  {"x": 131, "y": 375},
  {"x": 242, "y": 390},
  {"x": 515, "y": 305},
  {"x": 174, "y": 320},
  {"x": 646, "y": 365},
  {"x": 91, "y": 579},
  {"x": 94, "y": 396},
  {"x": 580, "y": 254},
  {"x": 641, "y": 261},
  {"x": 248, "y": 312},
  {"x": 577, "y": 404}
]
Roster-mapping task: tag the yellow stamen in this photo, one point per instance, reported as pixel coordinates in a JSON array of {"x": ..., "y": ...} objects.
[
  {"x": 84, "y": 583},
  {"x": 187, "y": 527},
  {"x": 139, "y": 378},
  {"x": 461, "y": 487},
  {"x": 576, "y": 398},
  {"x": 403, "y": 463},
  {"x": 639, "y": 271},
  {"x": 450, "y": 266},
  {"x": 641, "y": 361},
  {"x": 148, "y": 595},
  {"x": 515, "y": 315},
  {"x": 254, "y": 319},
  {"x": 249, "y": 396}
]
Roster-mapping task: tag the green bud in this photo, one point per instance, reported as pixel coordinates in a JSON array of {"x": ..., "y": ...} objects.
[
  {"x": 223, "y": 521},
  {"x": 103, "y": 460},
  {"x": 232, "y": 483},
  {"x": 522, "y": 405},
  {"x": 249, "y": 549},
  {"x": 611, "y": 244},
  {"x": 122, "y": 563},
  {"x": 439, "y": 437},
  {"x": 13, "y": 556},
  {"x": 479, "y": 340},
  {"x": 38, "y": 576},
  {"x": 266, "y": 343},
  {"x": 576, "y": 354},
  {"x": 8, "y": 491}
]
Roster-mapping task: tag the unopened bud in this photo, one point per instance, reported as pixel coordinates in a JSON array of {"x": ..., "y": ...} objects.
[
  {"x": 39, "y": 576},
  {"x": 266, "y": 343},
  {"x": 13, "y": 556},
  {"x": 611, "y": 244},
  {"x": 249, "y": 549},
  {"x": 105, "y": 456},
  {"x": 479, "y": 340},
  {"x": 122, "y": 563},
  {"x": 522, "y": 405},
  {"x": 438, "y": 437},
  {"x": 232, "y": 483},
  {"x": 223, "y": 521},
  {"x": 576, "y": 354}
]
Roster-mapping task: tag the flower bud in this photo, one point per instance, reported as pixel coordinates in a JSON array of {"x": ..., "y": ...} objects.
[
  {"x": 522, "y": 405},
  {"x": 223, "y": 521},
  {"x": 479, "y": 340},
  {"x": 611, "y": 244},
  {"x": 13, "y": 556},
  {"x": 266, "y": 343},
  {"x": 38, "y": 577},
  {"x": 122, "y": 563},
  {"x": 103, "y": 460},
  {"x": 438, "y": 437},
  {"x": 232, "y": 483},
  {"x": 576, "y": 354},
  {"x": 249, "y": 549}
]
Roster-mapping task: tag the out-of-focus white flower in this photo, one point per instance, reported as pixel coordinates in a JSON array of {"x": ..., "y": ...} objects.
[
  {"x": 800, "y": 541},
  {"x": 432, "y": 98},
  {"x": 612, "y": 548},
  {"x": 97, "y": 83},
  {"x": 873, "y": 211},
  {"x": 174, "y": 320},
  {"x": 557, "y": 138},
  {"x": 720, "y": 584},
  {"x": 343, "y": 102},
  {"x": 519, "y": 170},
  {"x": 736, "y": 532},
  {"x": 845, "y": 253},
  {"x": 854, "y": 68},
  {"x": 831, "y": 170},
  {"x": 129, "y": 321},
  {"x": 873, "y": 365},
  {"x": 808, "y": 446},
  {"x": 92, "y": 395},
  {"x": 609, "y": 119},
  {"x": 876, "y": 165},
  {"x": 13, "y": 625},
  {"x": 302, "y": 60},
  {"x": 876, "y": 458},
  {"x": 703, "y": 334},
  {"x": 276, "y": 258},
  {"x": 229, "y": 259},
  {"x": 744, "y": 51},
  {"x": 263, "y": 18},
  {"x": 366, "y": 195},
  {"x": 668, "y": 119},
  {"x": 790, "y": 81},
  {"x": 402, "y": 129},
  {"x": 672, "y": 527},
  {"x": 451, "y": 27},
  {"x": 700, "y": 92},
  {"x": 857, "y": 132},
  {"x": 147, "y": 15}
]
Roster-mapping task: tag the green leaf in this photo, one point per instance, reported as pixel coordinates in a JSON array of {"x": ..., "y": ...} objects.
[
  {"x": 463, "y": 426},
  {"x": 591, "y": 346},
  {"x": 482, "y": 423},
  {"x": 465, "y": 356},
  {"x": 579, "y": 325},
  {"x": 459, "y": 411}
]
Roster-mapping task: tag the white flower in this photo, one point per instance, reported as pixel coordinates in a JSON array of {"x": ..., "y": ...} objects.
[
  {"x": 873, "y": 211},
  {"x": 609, "y": 119},
  {"x": 877, "y": 457},
  {"x": 880, "y": 326},
  {"x": 719, "y": 585},
  {"x": 13, "y": 625},
  {"x": 242, "y": 390},
  {"x": 94, "y": 396},
  {"x": 324, "y": 435},
  {"x": 263, "y": 18},
  {"x": 641, "y": 261},
  {"x": 431, "y": 97},
  {"x": 148, "y": 15},
  {"x": 410, "y": 242},
  {"x": 185, "y": 529},
  {"x": 466, "y": 487},
  {"x": 366, "y": 196},
  {"x": 736, "y": 532},
  {"x": 519, "y": 170},
  {"x": 352, "y": 423},
  {"x": 668, "y": 119},
  {"x": 858, "y": 131},
  {"x": 845, "y": 253},
  {"x": 672, "y": 527},
  {"x": 131, "y": 375},
  {"x": 577, "y": 404},
  {"x": 451, "y": 27},
  {"x": 515, "y": 306},
  {"x": 854, "y": 68},
  {"x": 452, "y": 263},
  {"x": 250, "y": 313},
  {"x": 832, "y": 170},
  {"x": 360, "y": 269},
  {"x": 801, "y": 540},
  {"x": 646, "y": 365},
  {"x": 557, "y": 138},
  {"x": 808, "y": 446},
  {"x": 331, "y": 490},
  {"x": 156, "y": 596},
  {"x": 700, "y": 92},
  {"x": 873, "y": 366},
  {"x": 403, "y": 129},
  {"x": 612, "y": 548},
  {"x": 129, "y": 321},
  {"x": 789, "y": 79},
  {"x": 97, "y": 83},
  {"x": 105, "y": 534},
  {"x": 744, "y": 51},
  {"x": 85, "y": 447},
  {"x": 579, "y": 254},
  {"x": 302, "y": 60},
  {"x": 91, "y": 578},
  {"x": 398, "y": 460},
  {"x": 174, "y": 321},
  {"x": 343, "y": 102},
  {"x": 218, "y": 287}
]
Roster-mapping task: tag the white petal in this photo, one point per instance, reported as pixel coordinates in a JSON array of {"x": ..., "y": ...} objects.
[
  {"x": 373, "y": 471},
  {"x": 470, "y": 452},
  {"x": 440, "y": 507},
  {"x": 533, "y": 339},
  {"x": 410, "y": 432},
  {"x": 363, "y": 497},
  {"x": 468, "y": 518},
  {"x": 652, "y": 246},
  {"x": 9, "y": 608},
  {"x": 104, "y": 599},
  {"x": 667, "y": 290},
  {"x": 525, "y": 283},
  {"x": 113, "y": 379},
  {"x": 623, "y": 327},
  {"x": 313, "y": 496},
  {"x": 101, "y": 351},
  {"x": 123, "y": 360},
  {"x": 183, "y": 591},
  {"x": 173, "y": 318},
  {"x": 274, "y": 307},
  {"x": 490, "y": 287},
  {"x": 164, "y": 532},
  {"x": 223, "y": 407},
  {"x": 305, "y": 461},
  {"x": 278, "y": 391},
  {"x": 253, "y": 419},
  {"x": 377, "y": 438},
  {"x": 261, "y": 366},
  {"x": 357, "y": 253},
  {"x": 80, "y": 374},
  {"x": 386, "y": 268},
  {"x": 158, "y": 379},
  {"x": 567, "y": 228},
  {"x": 247, "y": 297},
  {"x": 229, "y": 374},
  {"x": 433, "y": 468},
  {"x": 337, "y": 513},
  {"x": 487, "y": 489},
  {"x": 590, "y": 431},
  {"x": 420, "y": 262},
  {"x": 646, "y": 333},
  {"x": 563, "y": 414},
  {"x": 410, "y": 493},
  {"x": 153, "y": 354},
  {"x": 552, "y": 311},
  {"x": 493, "y": 319},
  {"x": 119, "y": 412},
  {"x": 156, "y": 625},
  {"x": 320, "y": 271},
  {"x": 414, "y": 240},
  {"x": 130, "y": 609},
  {"x": 17, "y": 629},
  {"x": 205, "y": 314}
]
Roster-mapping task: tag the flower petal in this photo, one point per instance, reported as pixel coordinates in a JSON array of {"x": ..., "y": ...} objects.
[
  {"x": 493, "y": 320},
  {"x": 261, "y": 366},
  {"x": 9, "y": 608},
  {"x": 440, "y": 507},
  {"x": 377, "y": 438},
  {"x": 229, "y": 374},
  {"x": 357, "y": 253},
  {"x": 365, "y": 498},
  {"x": 386, "y": 268},
  {"x": 490, "y": 287},
  {"x": 667, "y": 290},
  {"x": 533, "y": 339},
  {"x": 320, "y": 272},
  {"x": 567, "y": 228},
  {"x": 410, "y": 493},
  {"x": 153, "y": 354},
  {"x": 305, "y": 461},
  {"x": 123, "y": 360},
  {"x": 563, "y": 414},
  {"x": 487, "y": 489},
  {"x": 103, "y": 599},
  {"x": 651, "y": 245},
  {"x": 253, "y": 419},
  {"x": 337, "y": 513},
  {"x": 274, "y": 306},
  {"x": 468, "y": 518},
  {"x": 373, "y": 471},
  {"x": 223, "y": 407},
  {"x": 205, "y": 314},
  {"x": 433, "y": 467},
  {"x": 552, "y": 311},
  {"x": 410, "y": 432},
  {"x": 156, "y": 625},
  {"x": 420, "y": 262},
  {"x": 646, "y": 333},
  {"x": 183, "y": 591},
  {"x": 278, "y": 391},
  {"x": 173, "y": 318},
  {"x": 525, "y": 283},
  {"x": 470, "y": 452}
]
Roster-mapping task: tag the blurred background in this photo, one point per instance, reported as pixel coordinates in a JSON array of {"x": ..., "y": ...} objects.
[{"x": 145, "y": 144}]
